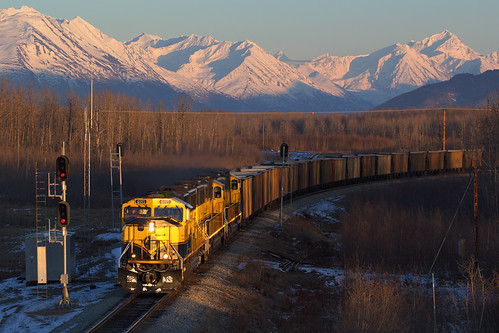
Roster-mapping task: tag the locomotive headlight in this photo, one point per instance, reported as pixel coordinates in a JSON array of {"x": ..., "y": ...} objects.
[{"x": 151, "y": 226}]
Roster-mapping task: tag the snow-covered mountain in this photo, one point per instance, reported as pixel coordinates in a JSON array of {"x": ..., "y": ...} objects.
[
  {"x": 238, "y": 76},
  {"x": 399, "y": 68},
  {"x": 244, "y": 71},
  {"x": 226, "y": 75},
  {"x": 67, "y": 54}
]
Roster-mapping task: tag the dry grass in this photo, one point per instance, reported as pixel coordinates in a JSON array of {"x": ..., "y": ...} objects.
[
  {"x": 283, "y": 301},
  {"x": 381, "y": 304},
  {"x": 400, "y": 230},
  {"x": 403, "y": 227},
  {"x": 477, "y": 308}
]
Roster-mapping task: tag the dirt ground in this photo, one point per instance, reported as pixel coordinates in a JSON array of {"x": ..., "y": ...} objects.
[{"x": 251, "y": 285}]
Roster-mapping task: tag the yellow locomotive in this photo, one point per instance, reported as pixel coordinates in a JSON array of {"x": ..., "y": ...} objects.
[{"x": 167, "y": 233}]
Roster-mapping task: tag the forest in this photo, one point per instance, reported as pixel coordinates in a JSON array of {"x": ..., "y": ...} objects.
[{"x": 36, "y": 123}]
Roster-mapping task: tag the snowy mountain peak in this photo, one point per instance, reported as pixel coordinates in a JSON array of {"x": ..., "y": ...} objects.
[
  {"x": 444, "y": 43},
  {"x": 446, "y": 34},
  {"x": 179, "y": 43},
  {"x": 196, "y": 41},
  {"x": 24, "y": 14},
  {"x": 144, "y": 40},
  {"x": 322, "y": 57},
  {"x": 23, "y": 10},
  {"x": 78, "y": 21},
  {"x": 84, "y": 29},
  {"x": 279, "y": 55}
]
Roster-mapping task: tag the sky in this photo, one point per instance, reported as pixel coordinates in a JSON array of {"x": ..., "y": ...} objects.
[{"x": 303, "y": 30}]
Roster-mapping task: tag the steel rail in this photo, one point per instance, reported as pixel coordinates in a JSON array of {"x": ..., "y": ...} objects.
[{"x": 111, "y": 322}]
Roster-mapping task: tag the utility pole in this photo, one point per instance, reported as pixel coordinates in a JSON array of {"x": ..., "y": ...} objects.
[
  {"x": 476, "y": 213},
  {"x": 443, "y": 143},
  {"x": 284, "y": 155},
  {"x": 87, "y": 156},
  {"x": 263, "y": 135}
]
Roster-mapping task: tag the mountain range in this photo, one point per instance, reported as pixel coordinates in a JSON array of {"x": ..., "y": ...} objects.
[{"x": 233, "y": 76}]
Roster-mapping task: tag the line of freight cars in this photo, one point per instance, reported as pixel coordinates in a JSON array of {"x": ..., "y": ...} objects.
[
  {"x": 261, "y": 184},
  {"x": 168, "y": 232}
]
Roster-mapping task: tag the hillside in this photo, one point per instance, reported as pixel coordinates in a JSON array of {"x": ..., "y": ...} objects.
[{"x": 463, "y": 90}]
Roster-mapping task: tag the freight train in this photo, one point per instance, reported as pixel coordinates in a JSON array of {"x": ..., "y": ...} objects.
[{"x": 167, "y": 233}]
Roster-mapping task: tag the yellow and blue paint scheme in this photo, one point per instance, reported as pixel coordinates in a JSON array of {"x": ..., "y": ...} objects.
[{"x": 165, "y": 237}]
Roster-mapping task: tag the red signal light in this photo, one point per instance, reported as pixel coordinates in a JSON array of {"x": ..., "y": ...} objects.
[
  {"x": 63, "y": 214},
  {"x": 62, "y": 167}
]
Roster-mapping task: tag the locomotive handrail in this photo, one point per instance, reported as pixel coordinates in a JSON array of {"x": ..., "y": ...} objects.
[
  {"x": 211, "y": 218},
  {"x": 123, "y": 253},
  {"x": 199, "y": 226},
  {"x": 226, "y": 209},
  {"x": 181, "y": 259}
]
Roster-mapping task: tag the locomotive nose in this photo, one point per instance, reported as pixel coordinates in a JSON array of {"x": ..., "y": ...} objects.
[{"x": 149, "y": 277}]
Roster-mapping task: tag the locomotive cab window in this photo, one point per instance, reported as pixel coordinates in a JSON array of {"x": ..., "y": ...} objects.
[
  {"x": 234, "y": 184},
  {"x": 173, "y": 212},
  {"x": 131, "y": 212},
  {"x": 217, "y": 192}
]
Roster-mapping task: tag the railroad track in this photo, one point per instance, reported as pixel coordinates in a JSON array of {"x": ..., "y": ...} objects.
[
  {"x": 133, "y": 312},
  {"x": 137, "y": 309},
  {"x": 285, "y": 263}
]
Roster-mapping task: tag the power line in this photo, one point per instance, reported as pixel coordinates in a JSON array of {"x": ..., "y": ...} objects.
[{"x": 450, "y": 226}]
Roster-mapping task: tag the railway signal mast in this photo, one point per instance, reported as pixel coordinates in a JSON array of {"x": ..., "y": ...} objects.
[
  {"x": 116, "y": 191},
  {"x": 284, "y": 154},
  {"x": 63, "y": 217}
]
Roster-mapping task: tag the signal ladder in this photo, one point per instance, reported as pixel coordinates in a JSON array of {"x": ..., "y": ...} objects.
[
  {"x": 41, "y": 229},
  {"x": 116, "y": 183},
  {"x": 45, "y": 187}
]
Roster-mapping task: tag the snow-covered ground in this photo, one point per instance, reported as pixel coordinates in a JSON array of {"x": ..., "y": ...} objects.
[
  {"x": 36, "y": 309},
  {"x": 22, "y": 311},
  {"x": 324, "y": 210}
]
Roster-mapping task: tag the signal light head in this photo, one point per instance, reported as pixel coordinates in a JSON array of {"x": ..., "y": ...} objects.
[
  {"x": 63, "y": 214},
  {"x": 62, "y": 167}
]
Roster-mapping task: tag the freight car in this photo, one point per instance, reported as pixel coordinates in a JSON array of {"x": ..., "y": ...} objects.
[{"x": 168, "y": 232}]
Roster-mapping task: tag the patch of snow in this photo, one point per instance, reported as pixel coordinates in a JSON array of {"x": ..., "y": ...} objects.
[
  {"x": 20, "y": 311},
  {"x": 108, "y": 237},
  {"x": 333, "y": 276},
  {"x": 322, "y": 210}
]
